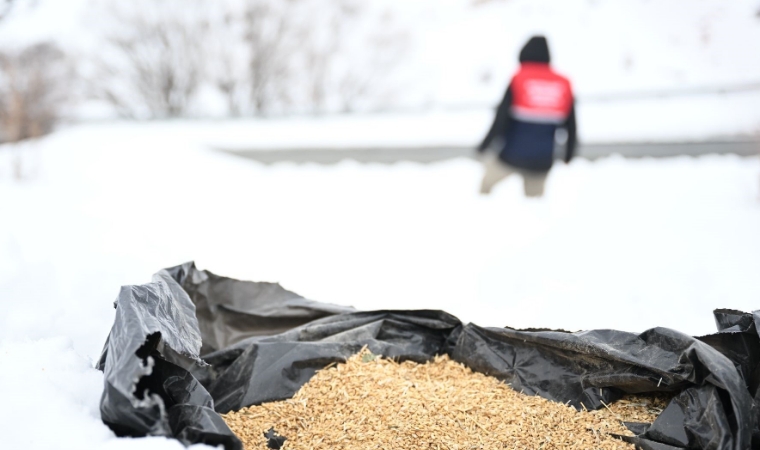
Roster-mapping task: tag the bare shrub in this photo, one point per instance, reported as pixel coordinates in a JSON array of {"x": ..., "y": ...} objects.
[
  {"x": 348, "y": 54},
  {"x": 270, "y": 37},
  {"x": 261, "y": 56},
  {"x": 153, "y": 65},
  {"x": 321, "y": 46},
  {"x": 251, "y": 53},
  {"x": 302, "y": 55},
  {"x": 33, "y": 85}
]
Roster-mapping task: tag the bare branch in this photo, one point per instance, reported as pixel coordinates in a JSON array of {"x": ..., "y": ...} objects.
[{"x": 159, "y": 61}]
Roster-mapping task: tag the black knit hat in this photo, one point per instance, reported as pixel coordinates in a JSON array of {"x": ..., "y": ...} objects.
[{"x": 536, "y": 50}]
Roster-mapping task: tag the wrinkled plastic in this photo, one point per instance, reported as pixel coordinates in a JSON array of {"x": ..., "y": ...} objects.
[
  {"x": 589, "y": 369},
  {"x": 147, "y": 362},
  {"x": 274, "y": 368},
  {"x": 738, "y": 340},
  {"x": 230, "y": 310},
  {"x": 260, "y": 342}
]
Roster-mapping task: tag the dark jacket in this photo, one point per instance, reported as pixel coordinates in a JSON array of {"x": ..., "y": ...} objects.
[{"x": 537, "y": 102}]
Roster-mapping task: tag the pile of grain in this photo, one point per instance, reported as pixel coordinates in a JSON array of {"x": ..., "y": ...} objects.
[{"x": 376, "y": 403}]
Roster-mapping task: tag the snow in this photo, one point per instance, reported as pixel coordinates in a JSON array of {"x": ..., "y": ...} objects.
[
  {"x": 625, "y": 244},
  {"x": 52, "y": 397}
]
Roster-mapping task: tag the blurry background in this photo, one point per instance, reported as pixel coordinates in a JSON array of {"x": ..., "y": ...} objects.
[
  {"x": 642, "y": 70},
  {"x": 327, "y": 144}
]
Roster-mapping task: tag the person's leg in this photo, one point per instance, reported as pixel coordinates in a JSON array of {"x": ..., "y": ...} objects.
[
  {"x": 495, "y": 171},
  {"x": 534, "y": 183}
]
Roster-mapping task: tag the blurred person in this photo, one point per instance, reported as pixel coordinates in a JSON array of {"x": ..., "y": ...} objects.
[{"x": 537, "y": 103}]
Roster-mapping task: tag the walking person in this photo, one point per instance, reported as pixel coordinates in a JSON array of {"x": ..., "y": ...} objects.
[{"x": 537, "y": 103}]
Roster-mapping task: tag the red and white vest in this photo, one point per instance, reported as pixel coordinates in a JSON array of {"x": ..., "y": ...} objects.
[{"x": 540, "y": 95}]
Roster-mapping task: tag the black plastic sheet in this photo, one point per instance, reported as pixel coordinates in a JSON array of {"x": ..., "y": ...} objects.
[
  {"x": 588, "y": 369},
  {"x": 191, "y": 345},
  {"x": 148, "y": 360},
  {"x": 230, "y": 310},
  {"x": 738, "y": 340}
]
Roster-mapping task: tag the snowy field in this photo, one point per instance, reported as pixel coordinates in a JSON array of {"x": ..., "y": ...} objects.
[
  {"x": 614, "y": 244},
  {"x": 624, "y": 244}
]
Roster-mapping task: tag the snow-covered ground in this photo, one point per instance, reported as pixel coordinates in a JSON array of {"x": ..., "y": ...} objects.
[{"x": 615, "y": 243}]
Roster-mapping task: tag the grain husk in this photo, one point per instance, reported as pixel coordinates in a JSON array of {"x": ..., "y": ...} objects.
[{"x": 376, "y": 403}]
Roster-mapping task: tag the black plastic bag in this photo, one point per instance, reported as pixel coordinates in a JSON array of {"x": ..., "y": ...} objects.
[
  {"x": 230, "y": 310},
  {"x": 739, "y": 341},
  {"x": 588, "y": 369},
  {"x": 150, "y": 353},
  {"x": 274, "y": 368},
  {"x": 260, "y": 343}
]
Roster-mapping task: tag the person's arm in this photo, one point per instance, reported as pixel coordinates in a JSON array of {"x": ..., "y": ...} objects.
[
  {"x": 572, "y": 134},
  {"x": 500, "y": 122}
]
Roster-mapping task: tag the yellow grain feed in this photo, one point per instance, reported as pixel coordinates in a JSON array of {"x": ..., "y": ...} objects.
[{"x": 376, "y": 403}]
